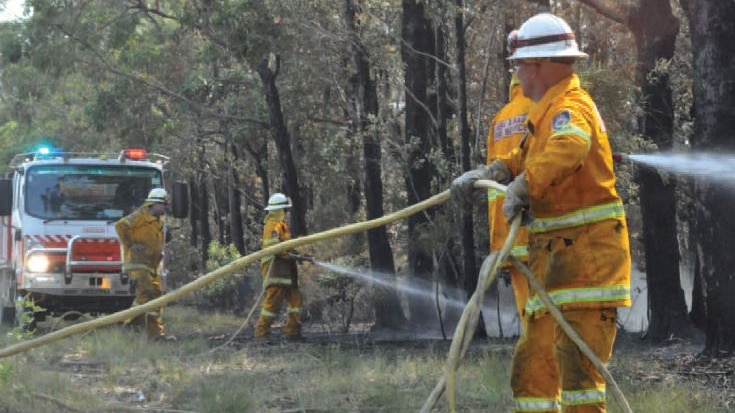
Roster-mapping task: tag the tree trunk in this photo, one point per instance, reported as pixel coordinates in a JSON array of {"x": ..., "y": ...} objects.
[
  {"x": 712, "y": 25},
  {"x": 204, "y": 219},
  {"x": 655, "y": 28},
  {"x": 268, "y": 77},
  {"x": 194, "y": 211},
  {"x": 416, "y": 51},
  {"x": 233, "y": 195},
  {"x": 388, "y": 313},
  {"x": 470, "y": 273}
]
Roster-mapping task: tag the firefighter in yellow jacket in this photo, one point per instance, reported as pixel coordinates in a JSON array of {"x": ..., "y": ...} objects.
[
  {"x": 142, "y": 237},
  {"x": 505, "y": 134},
  {"x": 280, "y": 274},
  {"x": 564, "y": 187}
]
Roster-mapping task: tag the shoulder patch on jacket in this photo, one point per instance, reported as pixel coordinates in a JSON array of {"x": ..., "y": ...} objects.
[{"x": 561, "y": 120}]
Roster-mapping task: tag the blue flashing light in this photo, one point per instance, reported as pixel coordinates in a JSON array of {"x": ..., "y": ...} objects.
[{"x": 47, "y": 152}]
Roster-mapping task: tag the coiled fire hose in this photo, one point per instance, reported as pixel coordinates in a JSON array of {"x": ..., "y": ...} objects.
[
  {"x": 463, "y": 333},
  {"x": 465, "y": 330}
]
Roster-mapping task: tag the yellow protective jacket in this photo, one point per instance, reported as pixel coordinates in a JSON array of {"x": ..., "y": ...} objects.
[
  {"x": 142, "y": 227},
  {"x": 568, "y": 164},
  {"x": 279, "y": 269},
  {"x": 505, "y": 134}
]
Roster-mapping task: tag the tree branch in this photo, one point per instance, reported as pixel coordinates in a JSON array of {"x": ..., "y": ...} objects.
[{"x": 615, "y": 13}]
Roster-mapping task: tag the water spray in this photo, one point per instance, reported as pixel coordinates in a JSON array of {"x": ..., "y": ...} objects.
[
  {"x": 717, "y": 167},
  {"x": 388, "y": 281}
]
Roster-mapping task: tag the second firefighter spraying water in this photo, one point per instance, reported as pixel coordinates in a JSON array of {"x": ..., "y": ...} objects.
[{"x": 280, "y": 274}]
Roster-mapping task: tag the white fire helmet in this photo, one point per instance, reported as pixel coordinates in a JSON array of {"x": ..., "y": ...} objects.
[
  {"x": 511, "y": 42},
  {"x": 278, "y": 201},
  {"x": 157, "y": 195},
  {"x": 545, "y": 36}
]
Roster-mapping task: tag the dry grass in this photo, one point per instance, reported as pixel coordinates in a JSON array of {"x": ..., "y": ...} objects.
[{"x": 114, "y": 370}]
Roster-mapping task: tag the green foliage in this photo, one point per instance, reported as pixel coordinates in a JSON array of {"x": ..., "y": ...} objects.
[
  {"x": 223, "y": 293},
  {"x": 25, "y": 314}
]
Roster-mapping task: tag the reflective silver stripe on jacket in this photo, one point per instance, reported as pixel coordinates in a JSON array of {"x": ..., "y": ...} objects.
[
  {"x": 519, "y": 251},
  {"x": 537, "y": 404},
  {"x": 269, "y": 242},
  {"x": 271, "y": 280},
  {"x": 580, "y": 295},
  {"x": 579, "y": 217},
  {"x": 493, "y": 194}
]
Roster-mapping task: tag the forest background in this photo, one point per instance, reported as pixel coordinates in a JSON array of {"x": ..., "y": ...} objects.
[{"x": 354, "y": 108}]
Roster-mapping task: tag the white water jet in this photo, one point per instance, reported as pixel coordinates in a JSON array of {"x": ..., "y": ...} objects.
[
  {"x": 390, "y": 281},
  {"x": 716, "y": 167}
]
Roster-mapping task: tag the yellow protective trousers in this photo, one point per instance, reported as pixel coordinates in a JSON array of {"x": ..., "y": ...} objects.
[
  {"x": 520, "y": 291},
  {"x": 534, "y": 376},
  {"x": 147, "y": 288},
  {"x": 274, "y": 297},
  {"x": 550, "y": 374}
]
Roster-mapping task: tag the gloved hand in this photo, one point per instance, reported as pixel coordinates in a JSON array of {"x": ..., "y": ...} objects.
[
  {"x": 516, "y": 200},
  {"x": 463, "y": 187},
  {"x": 300, "y": 259}
]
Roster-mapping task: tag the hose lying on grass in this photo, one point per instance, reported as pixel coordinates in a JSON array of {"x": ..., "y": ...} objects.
[{"x": 468, "y": 321}]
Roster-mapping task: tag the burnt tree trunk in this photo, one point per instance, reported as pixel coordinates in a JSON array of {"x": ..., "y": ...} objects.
[
  {"x": 204, "y": 219},
  {"x": 237, "y": 234},
  {"x": 417, "y": 51},
  {"x": 655, "y": 28},
  {"x": 388, "y": 313},
  {"x": 470, "y": 272},
  {"x": 268, "y": 77},
  {"x": 712, "y": 26}
]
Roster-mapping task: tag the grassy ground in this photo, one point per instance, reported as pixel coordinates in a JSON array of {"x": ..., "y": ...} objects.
[{"x": 114, "y": 370}]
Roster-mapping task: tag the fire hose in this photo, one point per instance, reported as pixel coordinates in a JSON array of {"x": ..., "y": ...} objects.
[{"x": 463, "y": 333}]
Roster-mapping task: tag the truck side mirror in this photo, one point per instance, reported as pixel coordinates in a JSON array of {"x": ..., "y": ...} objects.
[
  {"x": 6, "y": 197},
  {"x": 180, "y": 200}
]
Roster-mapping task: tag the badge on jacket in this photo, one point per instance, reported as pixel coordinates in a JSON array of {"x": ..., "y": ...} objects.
[{"x": 561, "y": 120}]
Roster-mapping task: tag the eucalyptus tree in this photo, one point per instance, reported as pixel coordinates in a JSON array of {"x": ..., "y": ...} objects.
[
  {"x": 712, "y": 27},
  {"x": 363, "y": 111}
]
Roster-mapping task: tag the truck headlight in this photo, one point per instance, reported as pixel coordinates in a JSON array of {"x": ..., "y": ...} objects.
[{"x": 38, "y": 263}]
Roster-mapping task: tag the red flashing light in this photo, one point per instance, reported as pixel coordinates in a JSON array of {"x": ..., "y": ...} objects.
[{"x": 135, "y": 154}]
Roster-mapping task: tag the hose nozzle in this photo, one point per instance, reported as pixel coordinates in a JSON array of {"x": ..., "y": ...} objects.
[
  {"x": 299, "y": 258},
  {"x": 619, "y": 157}
]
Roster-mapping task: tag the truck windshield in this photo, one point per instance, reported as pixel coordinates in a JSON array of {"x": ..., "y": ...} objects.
[{"x": 87, "y": 192}]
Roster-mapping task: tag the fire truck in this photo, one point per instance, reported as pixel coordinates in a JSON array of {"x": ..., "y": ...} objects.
[{"x": 58, "y": 245}]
